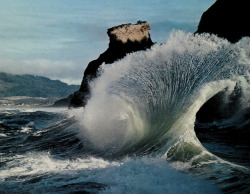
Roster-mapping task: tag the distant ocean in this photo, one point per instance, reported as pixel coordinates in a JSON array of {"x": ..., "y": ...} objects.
[{"x": 138, "y": 132}]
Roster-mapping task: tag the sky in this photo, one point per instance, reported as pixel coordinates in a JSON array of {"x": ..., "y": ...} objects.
[{"x": 58, "y": 38}]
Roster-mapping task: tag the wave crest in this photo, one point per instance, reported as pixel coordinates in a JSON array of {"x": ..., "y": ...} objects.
[{"x": 145, "y": 103}]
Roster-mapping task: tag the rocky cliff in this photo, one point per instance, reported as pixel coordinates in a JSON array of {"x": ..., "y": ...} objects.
[
  {"x": 124, "y": 39},
  {"x": 227, "y": 19}
]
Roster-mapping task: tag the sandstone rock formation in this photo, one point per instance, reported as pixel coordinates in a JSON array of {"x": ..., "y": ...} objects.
[
  {"x": 124, "y": 39},
  {"x": 227, "y": 19}
]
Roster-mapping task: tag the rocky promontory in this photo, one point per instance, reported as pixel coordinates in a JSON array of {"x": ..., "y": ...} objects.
[
  {"x": 226, "y": 19},
  {"x": 124, "y": 39}
]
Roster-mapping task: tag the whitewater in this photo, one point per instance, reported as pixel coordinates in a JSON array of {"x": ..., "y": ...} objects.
[{"x": 138, "y": 131}]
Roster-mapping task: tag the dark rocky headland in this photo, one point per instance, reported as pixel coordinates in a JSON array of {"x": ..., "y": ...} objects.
[
  {"x": 124, "y": 39},
  {"x": 227, "y": 19}
]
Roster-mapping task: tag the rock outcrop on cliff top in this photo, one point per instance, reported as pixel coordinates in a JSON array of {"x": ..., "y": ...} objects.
[
  {"x": 227, "y": 19},
  {"x": 124, "y": 39}
]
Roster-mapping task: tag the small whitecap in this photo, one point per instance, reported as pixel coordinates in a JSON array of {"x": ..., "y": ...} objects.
[{"x": 3, "y": 135}]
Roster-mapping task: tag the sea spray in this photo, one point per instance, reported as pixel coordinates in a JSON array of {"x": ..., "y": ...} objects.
[{"x": 137, "y": 102}]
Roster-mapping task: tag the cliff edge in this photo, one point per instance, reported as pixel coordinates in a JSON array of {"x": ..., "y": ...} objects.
[
  {"x": 227, "y": 19},
  {"x": 124, "y": 39}
]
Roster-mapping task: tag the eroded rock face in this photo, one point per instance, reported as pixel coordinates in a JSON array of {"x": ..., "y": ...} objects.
[
  {"x": 130, "y": 32},
  {"x": 227, "y": 19},
  {"x": 124, "y": 39}
]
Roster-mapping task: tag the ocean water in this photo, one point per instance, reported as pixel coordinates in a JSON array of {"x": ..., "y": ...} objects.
[{"x": 142, "y": 131}]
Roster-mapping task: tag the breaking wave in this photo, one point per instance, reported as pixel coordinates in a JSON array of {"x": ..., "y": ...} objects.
[{"x": 146, "y": 104}]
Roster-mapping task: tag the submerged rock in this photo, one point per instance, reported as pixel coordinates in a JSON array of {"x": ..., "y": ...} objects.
[
  {"x": 227, "y": 19},
  {"x": 124, "y": 39}
]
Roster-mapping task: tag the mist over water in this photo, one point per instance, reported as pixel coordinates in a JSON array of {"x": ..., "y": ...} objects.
[{"x": 137, "y": 128}]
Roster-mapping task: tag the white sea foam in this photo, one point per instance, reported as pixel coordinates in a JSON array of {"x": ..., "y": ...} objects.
[
  {"x": 3, "y": 135},
  {"x": 43, "y": 163},
  {"x": 28, "y": 128},
  {"x": 33, "y": 109},
  {"x": 147, "y": 175}
]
